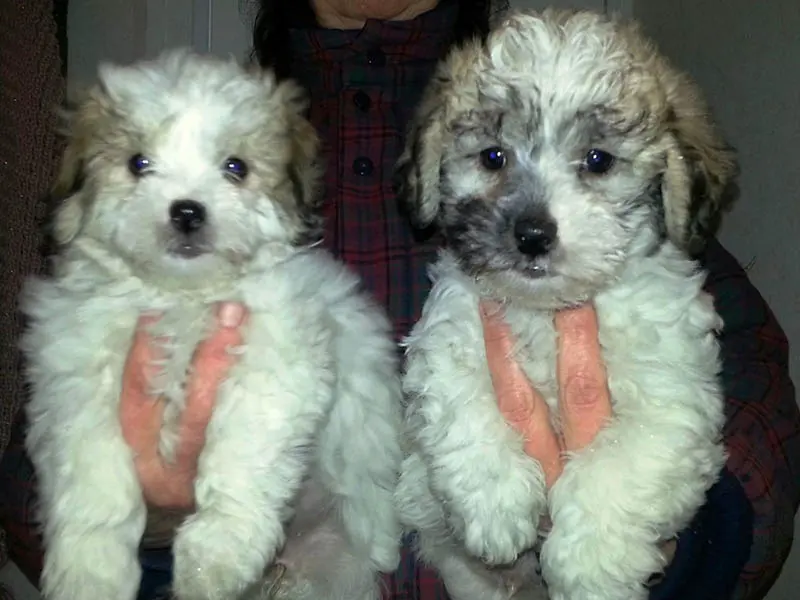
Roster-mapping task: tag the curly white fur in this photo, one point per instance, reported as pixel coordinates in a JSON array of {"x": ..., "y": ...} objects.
[
  {"x": 639, "y": 482},
  {"x": 544, "y": 90},
  {"x": 304, "y": 434}
]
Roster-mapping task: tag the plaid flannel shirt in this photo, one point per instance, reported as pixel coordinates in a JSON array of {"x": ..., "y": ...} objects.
[{"x": 364, "y": 86}]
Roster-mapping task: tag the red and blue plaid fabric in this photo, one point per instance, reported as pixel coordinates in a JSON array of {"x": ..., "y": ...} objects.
[
  {"x": 364, "y": 86},
  {"x": 762, "y": 432}
]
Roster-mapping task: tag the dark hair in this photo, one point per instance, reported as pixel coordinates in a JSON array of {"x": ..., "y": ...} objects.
[{"x": 271, "y": 47}]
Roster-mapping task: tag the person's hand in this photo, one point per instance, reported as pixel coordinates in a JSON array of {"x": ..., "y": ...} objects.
[
  {"x": 584, "y": 401},
  {"x": 170, "y": 485}
]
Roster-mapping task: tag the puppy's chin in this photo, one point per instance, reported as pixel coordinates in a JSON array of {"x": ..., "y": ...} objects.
[
  {"x": 550, "y": 282},
  {"x": 183, "y": 265},
  {"x": 177, "y": 261},
  {"x": 190, "y": 268},
  {"x": 189, "y": 261},
  {"x": 188, "y": 250},
  {"x": 547, "y": 282},
  {"x": 537, "y": 289}
]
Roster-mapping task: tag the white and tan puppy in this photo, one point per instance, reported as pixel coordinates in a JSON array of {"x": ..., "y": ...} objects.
[
  {"x": 565, "y": 162},
  {"x": 190, "y": 181}
]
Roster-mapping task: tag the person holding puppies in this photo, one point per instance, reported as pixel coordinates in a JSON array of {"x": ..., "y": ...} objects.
[{"x": 366, "y": 65}]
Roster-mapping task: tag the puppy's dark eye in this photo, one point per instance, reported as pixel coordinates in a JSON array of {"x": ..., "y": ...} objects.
[
  {"x": 598, "y": 161},
  {"x": 235, "y": 168},
  {"x": 138, "y": 165},
  {"x": 493, "y": 159}
]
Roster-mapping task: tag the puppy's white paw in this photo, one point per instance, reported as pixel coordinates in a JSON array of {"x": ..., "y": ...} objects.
[
  {"x": 502, "y": 539},
  {"x": 592, "y": 562},
  {"x": 210, "y": 562},
  {"x": 604, "y": 542},
  {"x": 98, "y": 561},
  {"x": 494, "y": 508}
]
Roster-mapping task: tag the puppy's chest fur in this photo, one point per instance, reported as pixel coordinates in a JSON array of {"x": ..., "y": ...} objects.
[
  {"x": 176, "y": 336},
  {"x": 536, "y": 350},
  {"x": 277, "y": 309},
  {"x": 537, "y": 346},
  {"x": 655, "y": 318},
  {"x": 103, "y": 311}
]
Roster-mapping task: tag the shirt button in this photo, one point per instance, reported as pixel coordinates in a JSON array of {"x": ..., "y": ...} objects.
[
  {"x": 363, "y": 166},
  {"x": 376, "y": 57},
  {"x": 362, "y": 101}
]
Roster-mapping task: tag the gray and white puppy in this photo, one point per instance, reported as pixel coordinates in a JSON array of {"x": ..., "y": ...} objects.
[{"x": 567, "y": 163}]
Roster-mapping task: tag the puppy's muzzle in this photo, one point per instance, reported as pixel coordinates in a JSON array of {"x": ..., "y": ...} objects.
[
  {"x": 188, "y": 220},
  {"x": 535, "y": 236}
]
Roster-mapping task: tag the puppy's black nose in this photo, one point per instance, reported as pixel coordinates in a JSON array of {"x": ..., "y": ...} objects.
[
  {"x": 187, "y": 216},
  {"x": 535, "y": 236}
]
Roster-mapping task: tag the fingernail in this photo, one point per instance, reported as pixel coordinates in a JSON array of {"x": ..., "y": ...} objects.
[
  {"x": 490, "y": 308},
  {"x": 147, "y": 319},
  {"x": 231, "y": 314}
]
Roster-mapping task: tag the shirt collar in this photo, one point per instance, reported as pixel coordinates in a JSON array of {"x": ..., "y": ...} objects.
[{"x": 425, "y": 37}]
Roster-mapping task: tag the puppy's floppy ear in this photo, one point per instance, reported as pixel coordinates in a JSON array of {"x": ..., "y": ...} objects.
[
  {"x": 85, "y": 111},
  {"x": 67, "y": 193},
  {"x": 700, "y": 178},
  {"x": 68, "y": 210},
  {"x": 418, "y": 170},
  {"x": 305, "y": 164}
]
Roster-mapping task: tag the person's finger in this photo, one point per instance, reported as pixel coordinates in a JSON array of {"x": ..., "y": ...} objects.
[
  {"x": 210, "y": 365},
  {"x": 541, "y": 443},
  {"x": 523, "y": 407},
  {"x": 140, "y": 413},
  {"x": 514, "y": 394},
  {"x": 584, "y": 399},
  {"x": 669, "y": 548}
]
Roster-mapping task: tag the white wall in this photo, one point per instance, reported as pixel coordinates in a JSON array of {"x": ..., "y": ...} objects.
[
  {"x": 231, "y": 28},
  {"x": 128, "y": 30},
  {"x": 103, "y": 30}
]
